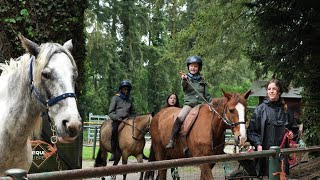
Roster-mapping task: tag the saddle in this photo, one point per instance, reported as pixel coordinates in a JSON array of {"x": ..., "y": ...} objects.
[
  {"x": 121, "y": 125},
  {"x": 189, "y": 121}
]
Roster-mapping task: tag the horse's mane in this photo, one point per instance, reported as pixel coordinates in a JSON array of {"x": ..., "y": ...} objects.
[
  {"x": 216, "y": 102},
  {"x": 46, "y": 51},
  {"x": 16, "y": 67}
]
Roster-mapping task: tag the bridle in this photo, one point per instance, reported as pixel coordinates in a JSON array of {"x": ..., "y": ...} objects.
[
  {"x": 46, "y": 102},
  {"x": 144, "y": 131},
  {"x": 212, "y": 109},
  {"x": 228, "y": 122}
]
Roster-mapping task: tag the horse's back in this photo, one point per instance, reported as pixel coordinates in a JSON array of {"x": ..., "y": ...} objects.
[
  {"x": 160, "y": 130},
  {"x": 162, "y": 123}
]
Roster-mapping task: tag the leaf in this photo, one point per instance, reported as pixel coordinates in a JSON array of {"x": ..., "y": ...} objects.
[
  {"x": 24, "y": 12},
  {"x": 10, "y": 20}
]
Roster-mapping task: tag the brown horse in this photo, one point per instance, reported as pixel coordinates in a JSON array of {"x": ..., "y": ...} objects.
[
  {"x": 131, "y": 140},
  {"x": 206, "y": 136}
]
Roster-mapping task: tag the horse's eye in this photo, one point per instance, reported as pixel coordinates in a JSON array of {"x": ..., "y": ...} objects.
[
  {"x": 231, "y": 110},
  {"x": 45, "y": 74}
]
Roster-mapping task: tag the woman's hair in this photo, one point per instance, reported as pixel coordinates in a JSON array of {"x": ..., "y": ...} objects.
[
  {"x": 168, "y": 105},
  {"x": 277, "y": 83}
]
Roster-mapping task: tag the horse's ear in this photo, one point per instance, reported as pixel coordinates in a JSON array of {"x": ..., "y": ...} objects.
[
  {"x": 68, "y": 45},
  {"x": 246, "y": 95},
  {"x": 29, "y": 46},
  {"x": 227, "y": 95}
]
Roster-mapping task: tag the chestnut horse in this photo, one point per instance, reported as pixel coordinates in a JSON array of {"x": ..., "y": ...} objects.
[
  {"x": 206, "y": 136},
  {"x": 131, "y": 140}
]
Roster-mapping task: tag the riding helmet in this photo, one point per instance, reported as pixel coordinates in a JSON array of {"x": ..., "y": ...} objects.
[
  {"x": 125, "y": 83},
  {"x": 194, "y": 59}
]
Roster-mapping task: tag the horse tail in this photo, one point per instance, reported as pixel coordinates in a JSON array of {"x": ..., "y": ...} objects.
[
  {"x": 99, "y": 161},
  {"x": 149, "y": 175}
]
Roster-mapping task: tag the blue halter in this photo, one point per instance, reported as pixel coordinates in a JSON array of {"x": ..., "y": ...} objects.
[{"x": 45, "y": 102}]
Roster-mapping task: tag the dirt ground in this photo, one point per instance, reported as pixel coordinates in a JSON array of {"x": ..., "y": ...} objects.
[{"x": 304, "y": 169}]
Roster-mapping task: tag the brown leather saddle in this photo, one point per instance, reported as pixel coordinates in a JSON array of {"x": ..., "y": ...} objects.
[
  {"x": 121, "y": 125},
  {"x": 189, "y": 121}
]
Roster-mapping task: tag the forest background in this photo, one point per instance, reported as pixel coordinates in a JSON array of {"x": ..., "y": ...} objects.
[{"x": 147, "y": 42}]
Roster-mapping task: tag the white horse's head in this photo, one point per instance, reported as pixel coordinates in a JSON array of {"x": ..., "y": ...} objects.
[{"x": 53, "y": 74}]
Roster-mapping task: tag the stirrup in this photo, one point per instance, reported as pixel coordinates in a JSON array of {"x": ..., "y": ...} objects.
[{"x": 170, "y": 145}]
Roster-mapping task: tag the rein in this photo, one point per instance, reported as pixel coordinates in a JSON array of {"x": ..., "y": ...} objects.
[
  {"x": 49, "y": 102},
  {"x": 134, "y": 127},
  {"x": 212, "y": 109},
  {"x": 291, "y": 143}
]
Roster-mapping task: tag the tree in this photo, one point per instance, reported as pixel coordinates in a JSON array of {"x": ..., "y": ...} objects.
[
  {"x": 44, "y": 21},
  {"x": 286, "y": 42}
]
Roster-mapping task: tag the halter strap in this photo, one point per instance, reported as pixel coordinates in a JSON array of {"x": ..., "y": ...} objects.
[
  {"x": 49, "y": 102},
  {"x": 228, "y": 121}
]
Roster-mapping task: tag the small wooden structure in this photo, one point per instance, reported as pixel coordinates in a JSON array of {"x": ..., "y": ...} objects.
[{"x": 292, "y": 97}]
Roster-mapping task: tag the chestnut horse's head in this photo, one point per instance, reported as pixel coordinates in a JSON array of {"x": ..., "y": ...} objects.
[{"x": 235, "y": 115}]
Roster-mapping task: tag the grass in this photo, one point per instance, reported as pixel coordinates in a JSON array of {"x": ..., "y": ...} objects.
[{"x": 88, "y": 151}]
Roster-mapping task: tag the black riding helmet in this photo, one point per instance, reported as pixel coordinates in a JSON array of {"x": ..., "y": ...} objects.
[
  {"x": 125, "y": 83},
  {"x": 194, "y": 59}
]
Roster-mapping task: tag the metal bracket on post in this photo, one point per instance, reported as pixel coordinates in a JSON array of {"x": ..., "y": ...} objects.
[
  {"x": 274, "y": 163},
  {"x": 16, "y": 174}
]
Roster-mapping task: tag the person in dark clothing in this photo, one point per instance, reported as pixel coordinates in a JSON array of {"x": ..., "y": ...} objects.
[
  {"x": 195, "y": 92},
  {"x": 269, "y": 123},
  {"x": 120, "y": 108}
]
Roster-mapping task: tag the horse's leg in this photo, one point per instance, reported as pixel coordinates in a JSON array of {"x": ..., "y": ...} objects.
[
  {"x": 124, "y": 161},
  {"x": 159, "y": 155},
  {"x": 139, "y": 158},
  {"x": 206, "y": 173},
  {"x": 101, "y": 158}
]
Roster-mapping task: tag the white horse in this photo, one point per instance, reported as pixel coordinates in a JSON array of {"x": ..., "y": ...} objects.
[{"x": 42, "y": 80}]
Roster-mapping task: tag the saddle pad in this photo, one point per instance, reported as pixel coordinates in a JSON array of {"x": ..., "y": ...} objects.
[{"x": 190, "y": 119}]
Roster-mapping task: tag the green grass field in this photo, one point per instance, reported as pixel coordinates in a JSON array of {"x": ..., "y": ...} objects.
[{"x": 88, "y": 151}]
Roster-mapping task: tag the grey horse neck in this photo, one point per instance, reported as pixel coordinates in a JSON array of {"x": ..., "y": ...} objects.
[{"x": 18, "y": 118}]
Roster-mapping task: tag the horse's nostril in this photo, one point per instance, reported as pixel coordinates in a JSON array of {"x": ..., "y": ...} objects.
[
  {"x": 64, "y": 123},
  {"x": 73, "y": 128},
  {"x": 72, "y": 131}
]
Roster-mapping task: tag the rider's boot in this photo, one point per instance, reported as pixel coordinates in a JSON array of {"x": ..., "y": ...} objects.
[
  {"x": 114, "y": 145},
  {"x": 175, "y": 130}
]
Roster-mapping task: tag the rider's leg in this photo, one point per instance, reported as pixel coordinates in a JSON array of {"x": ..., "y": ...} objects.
[
  {"x": 177, "y": 125},
  {"x": 114, "y": 139}
]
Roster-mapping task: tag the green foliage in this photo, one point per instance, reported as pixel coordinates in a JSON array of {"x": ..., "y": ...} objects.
[
  {"x": 148, "y": 43},
  {"x": 286, "y": 43},
  {"x": 44, "y": 21}
]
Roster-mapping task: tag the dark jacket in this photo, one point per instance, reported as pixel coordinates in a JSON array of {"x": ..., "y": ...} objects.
[
  {"x": 193, "y": 97},
  {"x": 120, "y": 108},
  {"x": 266, "y": 113},
  {"x": 267, "y": 128}
]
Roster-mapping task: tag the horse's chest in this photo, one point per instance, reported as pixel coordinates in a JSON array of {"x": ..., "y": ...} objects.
[{"x": 14, "y": 155}]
